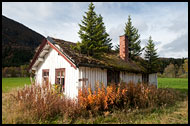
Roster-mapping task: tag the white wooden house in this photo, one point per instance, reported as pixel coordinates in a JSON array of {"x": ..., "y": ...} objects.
[{"x": 58, "y": 63}]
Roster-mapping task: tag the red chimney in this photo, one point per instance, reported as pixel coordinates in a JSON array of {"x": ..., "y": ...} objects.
[{"x": 124, "y": 51}]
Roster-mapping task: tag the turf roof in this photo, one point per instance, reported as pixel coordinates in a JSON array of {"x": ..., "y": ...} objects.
[{"x": 106, "y": 60}]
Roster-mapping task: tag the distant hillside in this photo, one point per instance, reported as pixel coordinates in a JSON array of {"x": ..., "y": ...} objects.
[{"x": 18, "y": 43}]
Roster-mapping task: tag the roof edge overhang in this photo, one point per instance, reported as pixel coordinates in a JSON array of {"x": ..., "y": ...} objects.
[
  {"x": 51, "y": 42},
  {"x": 109, "y": 67},
  {"x": 37, "y": 53},
  {"x": 67, "y": 58},
  {"x": 93, "y": 66}
]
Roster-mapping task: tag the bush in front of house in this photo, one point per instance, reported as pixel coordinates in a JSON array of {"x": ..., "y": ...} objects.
[
  {"x": 125, "y": 96},
  {"x": 43, "y": 103}
]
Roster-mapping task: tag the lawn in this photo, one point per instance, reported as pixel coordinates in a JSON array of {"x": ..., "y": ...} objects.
[
  {"x": 176, "y": 83},
  {"x": 13, "y": 83}
]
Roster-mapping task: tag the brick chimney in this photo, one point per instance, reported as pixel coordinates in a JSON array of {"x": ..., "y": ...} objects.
[{"x": 124, "y": 51}]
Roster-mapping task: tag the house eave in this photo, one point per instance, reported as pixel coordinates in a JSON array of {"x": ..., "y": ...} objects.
[
  {"x": 65, "y": 56},
  {"x": 37, "y": 54}
]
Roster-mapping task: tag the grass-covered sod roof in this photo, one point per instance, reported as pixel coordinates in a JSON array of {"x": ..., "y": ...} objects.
[{"x": 106, "y": 60}]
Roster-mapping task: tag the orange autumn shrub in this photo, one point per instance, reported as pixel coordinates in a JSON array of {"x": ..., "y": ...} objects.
[
  {"x": 124, "y": 95},
  {"x": 102, "y": 98},
  {"x": 92, "y": 100}
]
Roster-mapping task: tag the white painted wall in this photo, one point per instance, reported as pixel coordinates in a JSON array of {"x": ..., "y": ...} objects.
[
  {"x": 94, "y": 75},
  {"x": 53, "y": 61},
  {"x": 153, "y": 79},
  {"x": 127, "y": 77}
]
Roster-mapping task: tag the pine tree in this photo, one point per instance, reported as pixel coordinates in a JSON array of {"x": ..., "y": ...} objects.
[
  {"x": 133, "y": 37},
  {"x": 94, "y": 38},
  {"x": 117, "y": 48},
  {"x": 104, "y": 36},
  {"x": 151, "y": 56}
]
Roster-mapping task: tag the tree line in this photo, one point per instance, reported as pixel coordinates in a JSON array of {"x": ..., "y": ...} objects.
[
  {"x": 174, "y": 70},
  {"x": 20, "y": 71}
]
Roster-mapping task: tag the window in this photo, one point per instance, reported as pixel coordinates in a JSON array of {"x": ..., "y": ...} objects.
[
  {"x": 60, "y": 78},
  {"x": 145, "y": 78},
  {"x": 113, "y": 76},
  {"x": 45, "y": 75}
]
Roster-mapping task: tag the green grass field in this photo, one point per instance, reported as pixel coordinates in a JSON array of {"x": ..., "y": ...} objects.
[
  {"x": 176, "y": 83},
  {"x": 12, "y": 83}
]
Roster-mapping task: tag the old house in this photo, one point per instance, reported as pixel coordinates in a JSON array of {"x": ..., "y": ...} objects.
[{"x": 57, "y": 62}]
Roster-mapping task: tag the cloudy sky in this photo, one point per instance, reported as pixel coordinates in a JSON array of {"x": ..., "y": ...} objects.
[{"x": 167, "y": 23}]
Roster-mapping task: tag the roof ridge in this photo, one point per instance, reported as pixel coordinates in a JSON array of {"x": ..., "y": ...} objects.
[{"x": 60, "y": 39}]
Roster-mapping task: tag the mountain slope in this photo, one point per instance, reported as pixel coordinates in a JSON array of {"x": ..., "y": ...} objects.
[{"x": 18, "y": 43}]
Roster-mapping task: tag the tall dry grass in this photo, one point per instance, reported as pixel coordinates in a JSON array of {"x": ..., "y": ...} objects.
[
  {"x": 35, "y": 103},
  {"x": 40, "y": 103}
]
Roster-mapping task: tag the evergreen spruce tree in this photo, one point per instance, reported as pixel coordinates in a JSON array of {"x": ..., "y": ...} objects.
[
  {"x": 94, "y": 38},
  {"x": 102, "y": 41},
  {"x": 133, "y": 37},
  {"x": 151, "y": 56},
  {"x": 117, "y": 48}
]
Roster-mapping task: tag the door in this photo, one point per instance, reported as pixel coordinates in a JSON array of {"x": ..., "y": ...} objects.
[{"x": 60, "y": 78}]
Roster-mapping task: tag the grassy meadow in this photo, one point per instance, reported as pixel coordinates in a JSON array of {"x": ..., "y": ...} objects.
[
  {"x": 176, "y": 83},
  {"x": 12, "y": 83},
  {"x": 177, "y": 114}
]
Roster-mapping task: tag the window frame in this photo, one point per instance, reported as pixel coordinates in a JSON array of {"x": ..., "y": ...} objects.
[
  {"x": 113, "y": 76},
  {"x": 145, "y": 78},
  {"x": 56, "y": 76},
  {"x": 43, "y": 77}
]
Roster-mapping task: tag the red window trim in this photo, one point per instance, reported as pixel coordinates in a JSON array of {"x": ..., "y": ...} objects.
[
  {"x": 60, "y": 69},
  {"x": 44, "y": 70},
  {"x": 61, "y": 54}
]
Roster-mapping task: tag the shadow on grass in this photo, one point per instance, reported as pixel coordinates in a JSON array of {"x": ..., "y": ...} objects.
[
  {"x": 177, "y": 89},
  {"x": 181, "y": 93},
  {"x": 182, "y": 90}
]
